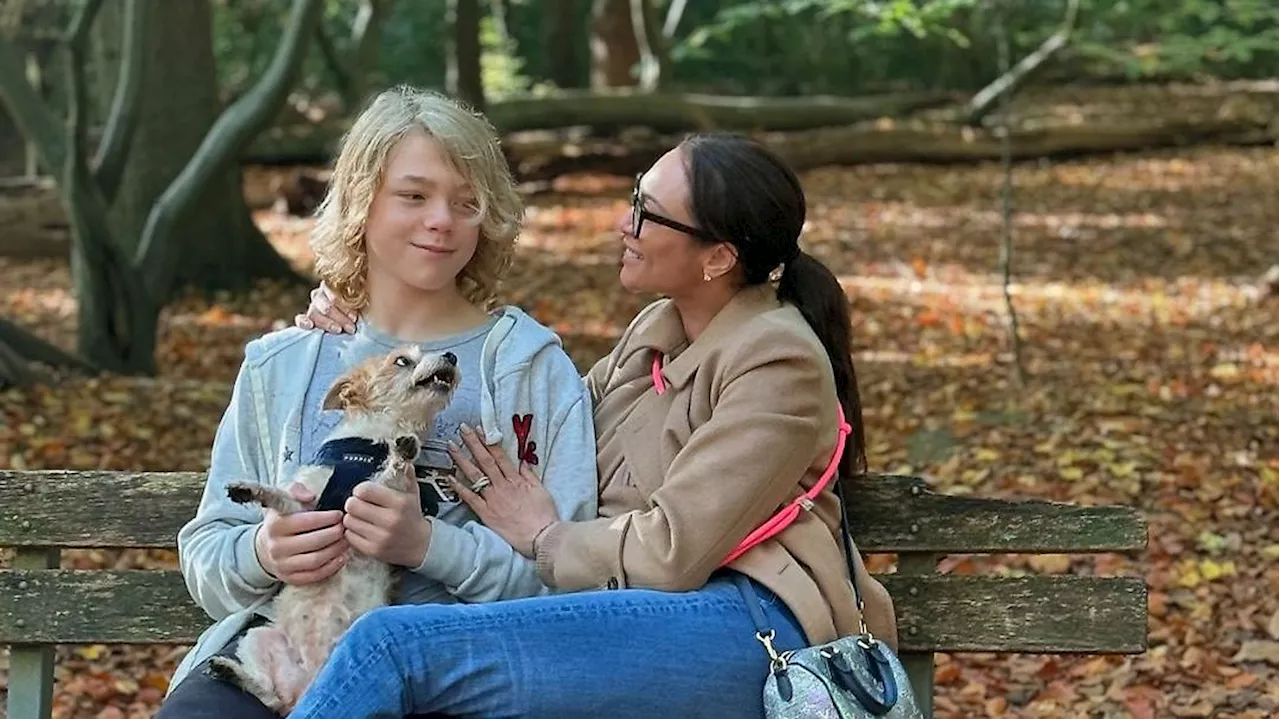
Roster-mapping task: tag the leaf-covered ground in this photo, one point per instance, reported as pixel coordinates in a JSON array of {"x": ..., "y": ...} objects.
[{"x": 1152, "y": 381}]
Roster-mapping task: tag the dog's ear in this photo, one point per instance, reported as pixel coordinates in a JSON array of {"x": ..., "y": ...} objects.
[
  {"x": 349, "y": 393},
  {"x": 335, "y": 398}
]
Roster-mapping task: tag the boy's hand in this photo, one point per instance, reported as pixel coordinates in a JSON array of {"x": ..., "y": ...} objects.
[
  {"x": 301, "y": 548},
  {"x": 387, "y": 524}
]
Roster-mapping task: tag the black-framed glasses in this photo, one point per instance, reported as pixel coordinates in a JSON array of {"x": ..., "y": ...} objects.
[{"x": 639, "y": 215}]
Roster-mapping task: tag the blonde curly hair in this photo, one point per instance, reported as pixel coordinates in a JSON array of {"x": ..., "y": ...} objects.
[{"x": 470, "y": 142}]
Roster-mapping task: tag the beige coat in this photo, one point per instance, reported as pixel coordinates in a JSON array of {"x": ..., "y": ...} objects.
[{"x": 747, "y": 421}]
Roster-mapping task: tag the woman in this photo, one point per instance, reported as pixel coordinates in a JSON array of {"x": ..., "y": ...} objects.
[
  {"x": 416, "y": 231},
  {"x": 718, "y": 405}
]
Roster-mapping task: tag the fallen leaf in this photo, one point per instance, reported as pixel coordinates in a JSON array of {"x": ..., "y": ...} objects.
[{"x": 1258, "y": 650}]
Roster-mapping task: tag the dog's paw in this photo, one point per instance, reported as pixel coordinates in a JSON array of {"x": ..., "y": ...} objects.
[
  {"x": 224, "y": 669},
  {"x": 240, "y": 492},
  {"x": 407, "y": 447}
]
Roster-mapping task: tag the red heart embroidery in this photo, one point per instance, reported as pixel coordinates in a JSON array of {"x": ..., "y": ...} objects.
[{"x": 527, "y": 449}]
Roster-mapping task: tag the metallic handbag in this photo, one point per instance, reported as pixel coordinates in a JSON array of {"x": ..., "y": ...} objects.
[{"x": 854, "y": 677}]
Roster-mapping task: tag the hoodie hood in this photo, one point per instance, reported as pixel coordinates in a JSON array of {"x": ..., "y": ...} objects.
[{"x": 511, "y": 346}]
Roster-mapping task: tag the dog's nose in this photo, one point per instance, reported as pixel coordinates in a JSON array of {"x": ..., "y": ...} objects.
[{"x": 451, "y": 358}]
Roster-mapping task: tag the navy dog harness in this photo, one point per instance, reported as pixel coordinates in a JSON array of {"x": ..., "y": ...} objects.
[{"x": 354, "y": 460}]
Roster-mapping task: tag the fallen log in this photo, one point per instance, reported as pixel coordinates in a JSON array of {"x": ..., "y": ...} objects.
[
  {"x": 1047, "y": 122},
  {"x": 672, "y": 112},
  {"x": 542, "y": 158},
  {"x": 922, "y": 142},
  {"x": 609, "y": 112}
]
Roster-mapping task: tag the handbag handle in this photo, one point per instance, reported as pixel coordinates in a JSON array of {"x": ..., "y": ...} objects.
[{"x": 877, "y": 663}]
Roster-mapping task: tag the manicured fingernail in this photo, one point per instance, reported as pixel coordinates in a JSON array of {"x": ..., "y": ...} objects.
[
  {"x": 464, "y": 427},
  {"x": 349, "y": 328}
]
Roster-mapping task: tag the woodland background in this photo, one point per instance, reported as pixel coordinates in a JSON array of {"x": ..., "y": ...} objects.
[{"x": 1114, "y": 161}]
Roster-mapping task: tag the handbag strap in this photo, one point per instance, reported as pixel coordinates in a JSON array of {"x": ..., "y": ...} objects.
[
  {"x": 764, "y": 634},
  {"x": 785, "y": 517},
  {"x": 789, "y": 513}
]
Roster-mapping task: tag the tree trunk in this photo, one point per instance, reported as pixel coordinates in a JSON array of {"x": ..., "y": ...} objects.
[
  {"x": 179, "y": 103},
  {"x": 462, "y": 76},
  {"x": 116, "y": 319},
  {"x": 561, "y": 43},
  {"x": 613, "y": 45},
  {"x": 123, "y": 280}
]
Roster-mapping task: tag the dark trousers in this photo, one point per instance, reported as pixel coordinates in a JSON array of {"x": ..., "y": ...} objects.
[{"x": 200, "y": 696}]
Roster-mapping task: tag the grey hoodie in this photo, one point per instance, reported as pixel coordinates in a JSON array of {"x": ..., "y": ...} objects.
[{"x": 525, "y": 375}]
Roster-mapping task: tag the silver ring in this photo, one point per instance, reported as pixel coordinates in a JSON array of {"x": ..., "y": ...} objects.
[{"x": 480, "y": 484}]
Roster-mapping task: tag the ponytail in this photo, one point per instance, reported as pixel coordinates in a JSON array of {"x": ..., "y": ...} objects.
[
  {"x": 814, "y": 290},
  {"x": 743, "y": 193}
]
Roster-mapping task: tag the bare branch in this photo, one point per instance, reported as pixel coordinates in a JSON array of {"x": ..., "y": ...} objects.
[
  {"x": 647, "y": 42},
  {"x": 234, "y": 128},
  {"x": 30, "y": 347},
  {"x": 108, "y": 164},
  {"x": 368, "y": 20},
  {"x": 82, "y": 22},
  {"x": 366, "y": 35},
  {"x": 11, "y": 18},
  {"x": 14, "y": 370},
  {"x": 333, "y": 61},
  {"x": 350, "y": 66},
  {"x": 32, "y": 116},
  {"x": 985, "y": 100},
  {"x": 674, "y": 12},
  {"x": 77, "y": 38}
]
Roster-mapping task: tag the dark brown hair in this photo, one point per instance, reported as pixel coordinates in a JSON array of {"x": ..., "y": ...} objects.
[{"x": 744, "y": 194}]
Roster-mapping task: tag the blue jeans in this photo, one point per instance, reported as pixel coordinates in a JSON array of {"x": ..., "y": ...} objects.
[{"x": 622, "y": 653}]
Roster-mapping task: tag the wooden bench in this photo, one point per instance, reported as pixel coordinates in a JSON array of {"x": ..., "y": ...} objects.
[{"x": 44, "y": 512}]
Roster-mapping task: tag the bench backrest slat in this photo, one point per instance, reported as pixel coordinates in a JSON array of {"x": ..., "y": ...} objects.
[{"x": 70, "y": 509}]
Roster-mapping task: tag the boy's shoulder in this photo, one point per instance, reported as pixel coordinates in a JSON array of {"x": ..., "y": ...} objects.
[
  {"x": 526, "y": 341},
  {"x": 279, "y": 344}
]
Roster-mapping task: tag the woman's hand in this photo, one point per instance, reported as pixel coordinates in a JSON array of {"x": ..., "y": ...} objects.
[
  {"x": 512, "y": 503},
  {"x": 327, "y": 312}
]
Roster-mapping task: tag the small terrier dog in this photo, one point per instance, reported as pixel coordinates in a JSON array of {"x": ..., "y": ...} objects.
[{"x": 388, "y": 401}]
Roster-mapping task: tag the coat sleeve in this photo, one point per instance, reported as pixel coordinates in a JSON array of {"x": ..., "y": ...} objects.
[
  {"x": 775, "y": 400},
  {"x": 216, "y": 548}
]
